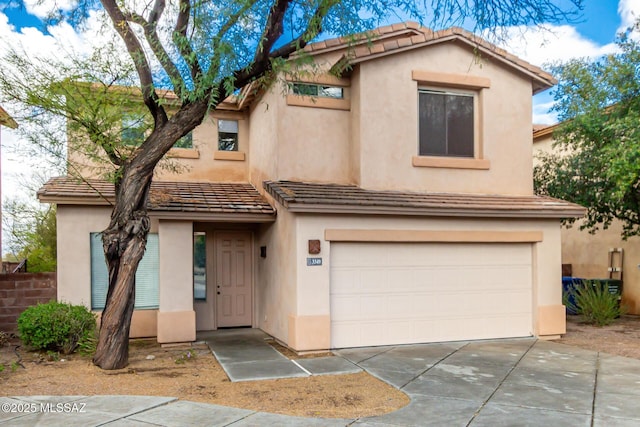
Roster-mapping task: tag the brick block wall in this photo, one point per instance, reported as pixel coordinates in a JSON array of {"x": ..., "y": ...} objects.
[{"x": 21, "y": 290}]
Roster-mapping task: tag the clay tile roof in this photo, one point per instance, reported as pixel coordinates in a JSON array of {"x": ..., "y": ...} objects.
[
  {"x": 165, "y": 196},
  {"x": 411, "y": 35},
  {"x": 335, "y": 198}
]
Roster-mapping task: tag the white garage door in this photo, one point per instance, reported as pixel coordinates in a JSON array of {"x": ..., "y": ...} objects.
[{"x": 400, "y": 293}]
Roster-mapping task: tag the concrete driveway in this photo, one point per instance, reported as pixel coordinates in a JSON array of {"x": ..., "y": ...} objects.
[{"x": 518, "y": 382}]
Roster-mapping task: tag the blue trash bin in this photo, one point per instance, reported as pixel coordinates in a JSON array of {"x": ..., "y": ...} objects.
[{"x": 568, "y": 284}]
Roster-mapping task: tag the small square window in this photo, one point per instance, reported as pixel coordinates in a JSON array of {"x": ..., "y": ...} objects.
[
  {"x": 227, "y": 135},
  {"x": 446, "y": 124}
]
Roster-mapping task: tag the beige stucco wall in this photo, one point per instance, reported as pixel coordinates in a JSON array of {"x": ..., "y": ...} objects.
[
  {"x": 275, "y": 287},
  {"x": 264, "y": 137},
  {"x": 205, "y": 145},
  {"x": 374, "y": 142},
  {"x": 314, "y": 144},
  {"x": 195, "y": 164},
  {"x": 389, "y": 124},
  {"x": 309, "y": 318},
  {"x": 176, "y": 317},
  {"x": 74, "y": 225},
  {"x": 542, "y": 145}
]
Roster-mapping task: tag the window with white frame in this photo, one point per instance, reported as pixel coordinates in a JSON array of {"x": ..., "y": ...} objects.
[
  {"x": 147, "y": 276},
  {"x": 227, "y": 135},
  {"x": 446, "y": 123}
]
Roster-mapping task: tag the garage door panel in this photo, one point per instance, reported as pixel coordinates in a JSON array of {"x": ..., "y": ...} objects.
[{"x": 410, "y": 293}]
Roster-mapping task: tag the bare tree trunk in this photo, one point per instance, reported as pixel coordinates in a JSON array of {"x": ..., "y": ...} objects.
[
  {"x": 112, "y": 351},
  {"x": 124, "y": 243}
]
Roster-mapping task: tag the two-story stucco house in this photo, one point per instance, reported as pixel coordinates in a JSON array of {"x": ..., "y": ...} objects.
[{"x": 391, "y": 205}]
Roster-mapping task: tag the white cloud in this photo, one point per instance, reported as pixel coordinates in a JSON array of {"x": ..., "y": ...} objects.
[
  {"x": 551, "y": 43},
  {"x": 629, "y": 11},
  {"x": 558, "y": 43},
  {"x": 43, "y": 8}
]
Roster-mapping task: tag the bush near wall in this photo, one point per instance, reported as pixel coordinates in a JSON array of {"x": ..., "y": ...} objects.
[{"x": 21, "y": 290}]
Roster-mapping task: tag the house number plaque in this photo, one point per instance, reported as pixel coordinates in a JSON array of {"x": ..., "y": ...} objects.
[{"x": 314, "y": 261}]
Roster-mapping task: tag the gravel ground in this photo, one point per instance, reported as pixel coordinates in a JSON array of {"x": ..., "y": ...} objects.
[
  {"x": 198, "y": 378},
  {"x": 621, "y": 338}
]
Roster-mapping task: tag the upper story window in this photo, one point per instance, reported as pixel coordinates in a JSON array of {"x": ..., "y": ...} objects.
[
  {"x": 323, "y": 91},
  {"x": 227, "y": 135},
  {"x": 446, "y": 124},
  {"x": 132, "y": 131}
]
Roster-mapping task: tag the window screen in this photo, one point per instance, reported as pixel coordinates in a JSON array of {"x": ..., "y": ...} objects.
[
  {"x": 227, "y": 135},
  {"x": 446, "y": 124},
  {"x": 147, "y": 280}
]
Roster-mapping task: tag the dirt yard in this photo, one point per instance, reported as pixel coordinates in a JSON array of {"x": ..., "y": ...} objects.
[
  {"x": 192, "y": 373},
  {"x": 621, "y": 338}
]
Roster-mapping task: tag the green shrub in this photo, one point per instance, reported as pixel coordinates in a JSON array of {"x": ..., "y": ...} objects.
[
  {"x": 595, "y": 303},
  {"x": 56, "y": 326}
]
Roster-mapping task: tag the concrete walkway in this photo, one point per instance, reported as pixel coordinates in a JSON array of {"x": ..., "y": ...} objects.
[
  {"x": 245, "y": 355},
  {"x": 520, "y": 382}
]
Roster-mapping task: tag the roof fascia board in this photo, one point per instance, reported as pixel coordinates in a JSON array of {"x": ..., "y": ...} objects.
[
  {"x": 216, "y": 217},
  {"x": 65, "y": 200},
  {"x": 441, "y": 212}
]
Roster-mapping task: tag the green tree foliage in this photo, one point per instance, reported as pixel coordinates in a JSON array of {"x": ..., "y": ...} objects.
[
  {"x": 596, "y": 161},
  {"x": 31, "y": 234},
  {"x": 203, "y": 52}
]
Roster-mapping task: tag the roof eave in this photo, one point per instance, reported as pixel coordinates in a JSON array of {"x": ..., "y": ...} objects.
[
  {"x": 77, "y": 200},
  {"x": 213, "y": 216},
  {"x": 432, "y": 211},
  {"x": 540, "y": 82}
]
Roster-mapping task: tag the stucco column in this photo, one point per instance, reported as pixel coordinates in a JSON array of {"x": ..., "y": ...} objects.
[
  {"x": 310, "y": 326},
  {"x": 551, "y": 314},
  {"x": 176, "y": 317}
]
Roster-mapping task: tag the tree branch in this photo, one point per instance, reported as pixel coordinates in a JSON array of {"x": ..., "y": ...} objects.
[
  {"x": 158, "y": 49},
  {"x": 136, "y": 52},
  {"x": 258, "y": 68},
  {"x": 181, "y": 40},
  {"x": 273, "y": 29}
]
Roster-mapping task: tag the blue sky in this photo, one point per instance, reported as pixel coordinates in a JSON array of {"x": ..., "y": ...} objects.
[{"x": 600, "y": 21}]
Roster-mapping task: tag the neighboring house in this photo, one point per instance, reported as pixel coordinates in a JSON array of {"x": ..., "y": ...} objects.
[
  {"x": 5, "y": 120},
  {"x": 589, "y": 254},
  {"x": 392, "y": 205}
]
